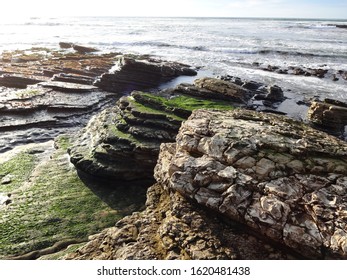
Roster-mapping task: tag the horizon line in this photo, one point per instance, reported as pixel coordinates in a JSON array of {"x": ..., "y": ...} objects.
[{"x": 212, "y": 17}]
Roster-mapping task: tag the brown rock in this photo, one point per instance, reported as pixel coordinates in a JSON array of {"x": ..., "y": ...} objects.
[
  {"x": 330, "y": 114},
  {"x": 15, "y": 81},
  {"x": 226, "y": 89},
  {"x": 65, "y": 45},
  {"x": 82, "y": 49}
]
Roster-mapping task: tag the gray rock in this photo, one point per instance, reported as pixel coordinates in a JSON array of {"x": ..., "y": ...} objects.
[
  {"x": 7, "y": 179},
  {"x": 138, "y": 73},
  {"x": 277, "y": 176},
  {"x": 4, "y": 200},
  {"x": 68, "y": 86}
]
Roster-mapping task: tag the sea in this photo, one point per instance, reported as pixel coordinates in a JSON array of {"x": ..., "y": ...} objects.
[{"x": 219, "y": 46}]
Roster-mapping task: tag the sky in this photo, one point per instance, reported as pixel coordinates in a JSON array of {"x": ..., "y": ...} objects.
[{"x": 334, "y": 9}]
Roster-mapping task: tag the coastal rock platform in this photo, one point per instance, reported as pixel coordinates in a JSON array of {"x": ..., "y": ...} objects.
[
  {"x": 232, "y": 184},
  {"x": 47, "y": 92},
  {"x": 123, "y": 141}
]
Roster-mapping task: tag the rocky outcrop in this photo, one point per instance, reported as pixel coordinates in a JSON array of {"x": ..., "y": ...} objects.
[
  {"x": 172, "y": 228},
  {"x": 46, "y": 92},
  {"x": 269, "y": 94},
  {"x": 140, "y": 73},
  {"x": 279, "y": 177},
  {"x": 58, "y": 92},
  {"x": 322, "y": 72},
  {"x": 123, "y": 142},
  {"x": 234, "y": 183},
  {"x": 225, "y": 90},
  {"x": 330, "y": 115}
]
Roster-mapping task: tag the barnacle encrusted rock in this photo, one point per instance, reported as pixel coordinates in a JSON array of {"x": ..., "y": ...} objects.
[{"x": 277, "y": 176}]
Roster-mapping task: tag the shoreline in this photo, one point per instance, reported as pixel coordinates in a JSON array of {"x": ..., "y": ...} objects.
[{"x": 114, "y": 142}]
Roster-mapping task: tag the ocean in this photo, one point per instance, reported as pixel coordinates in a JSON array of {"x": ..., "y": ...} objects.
[{"x": 233, "y": 46}]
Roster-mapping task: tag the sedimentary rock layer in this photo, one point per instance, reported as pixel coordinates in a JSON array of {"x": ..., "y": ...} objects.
[
  {"x": 123, "y": 142},
  {"x": 139, "y": 73},
  {"x": 174, "y": 229},
  {"x": 233, "y": 175},
  {"x": 330, "y": 114},
  {"x": 279, "y": 177}
]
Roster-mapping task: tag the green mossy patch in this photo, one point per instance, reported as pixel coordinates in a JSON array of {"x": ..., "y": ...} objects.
[
  {"x": 149, "y": 110},
  {"x": 19, "y": 168},
  {"x": 51, "y": 203},
  {"x": 188, "y": 103}
]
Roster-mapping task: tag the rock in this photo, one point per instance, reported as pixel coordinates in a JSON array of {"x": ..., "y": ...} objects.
[
  {"x": 281, "y": 178},
  {"x": 4, "y": 200},
  {"x": 15, "y": 81},
  {"x": 82, "y": 49},
  {"x": 341, "y": 26},
  {"x": 65, "y": 45},
  {"x": 140, "y": 73},
  {"x": 7, "y": 179},
  {"x": 230, "y": 174},
  {"x": 230, "y": 91},
  {"x": 172, "y": 228},
  {"x": 275, "y": 94},
  {"x": 330, "y": 114},
  {"x": 320, "y": 73},
  {"x": 304, "y": 71},
  {"x": 73, "y": 78},
  {"x": 251, "y": 85},
  {"x": 123, "y": 142},
  {"x": 68, "y": 87},
  {"x": 42, "y": 108}
]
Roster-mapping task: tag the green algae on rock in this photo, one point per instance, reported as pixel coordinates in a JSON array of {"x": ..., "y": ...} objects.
[
  {"x": 123, "y": 141},
  {"x": 51, "y": 204},
  {"x": 238, "y": 185}
]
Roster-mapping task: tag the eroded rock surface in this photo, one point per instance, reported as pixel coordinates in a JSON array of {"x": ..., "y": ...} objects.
[
  {"x": 172, "y": 228},
  {"x": 45, "y": 92},
  {"x": 330, "y": 114},
  {"x": 139, "y": 73},
  {"x": 123, "y": 142},
  {"x": 232, "y": 182},
  {"x": 279, "y": 177}
]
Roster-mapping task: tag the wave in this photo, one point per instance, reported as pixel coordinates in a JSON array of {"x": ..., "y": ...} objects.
[
  {"x": 277, "y": 52},
  {"x": 161, "y": 45},
  {"x": 302, "y": 54},
  {"x": 312, "y": 26}
]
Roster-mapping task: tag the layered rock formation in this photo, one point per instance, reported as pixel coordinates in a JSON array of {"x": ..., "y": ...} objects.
[
  {"x": 330, "y": 115},
  {"x": 280, "y": 179},
  {"x": 123, "y": 142},
  {"x": 172, "y": 228},
  {"x": 139, "y": 73},
  {"x": 46, "y": 92},
  {"x": 322, "y": 72}
]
